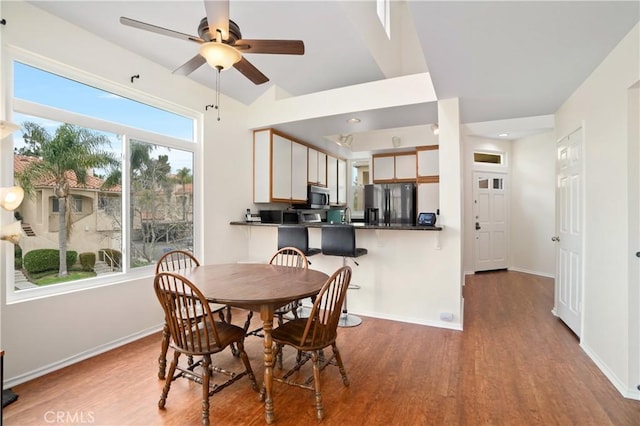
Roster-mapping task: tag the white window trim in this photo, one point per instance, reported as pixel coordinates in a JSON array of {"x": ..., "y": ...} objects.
[{"x": 31, "y": 108}]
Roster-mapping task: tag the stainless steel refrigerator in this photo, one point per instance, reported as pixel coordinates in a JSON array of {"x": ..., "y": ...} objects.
[{"x": 395, "y": 202}]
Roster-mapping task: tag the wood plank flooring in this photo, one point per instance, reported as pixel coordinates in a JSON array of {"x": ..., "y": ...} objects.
[{"x": 514, "y": 364}]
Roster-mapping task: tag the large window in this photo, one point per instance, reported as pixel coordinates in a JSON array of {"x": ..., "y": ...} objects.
[{"x": 109, "y": 181}]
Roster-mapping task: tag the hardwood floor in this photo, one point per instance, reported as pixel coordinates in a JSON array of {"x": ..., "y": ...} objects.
[{"x": 514, "y": 364}]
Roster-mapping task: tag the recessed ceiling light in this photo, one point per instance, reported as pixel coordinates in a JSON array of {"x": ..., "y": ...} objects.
[
  {"x": 502, "y": 135},
  {"x": 353, "y": 120}
]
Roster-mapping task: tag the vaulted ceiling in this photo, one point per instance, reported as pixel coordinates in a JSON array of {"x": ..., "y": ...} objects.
[{"x": 509, "y": 63}]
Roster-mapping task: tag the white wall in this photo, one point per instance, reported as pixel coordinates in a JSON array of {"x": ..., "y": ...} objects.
[
  {"x": 42, "y": 335},
  {"x": 533, "y": 205},
  {"x": 600, "y": 105}
]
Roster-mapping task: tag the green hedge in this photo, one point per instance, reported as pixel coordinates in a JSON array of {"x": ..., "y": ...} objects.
[
  {"x": 46, "y": 260},
  {"x": 88, "y": 261},
  {"x": 17, "y": 258}
]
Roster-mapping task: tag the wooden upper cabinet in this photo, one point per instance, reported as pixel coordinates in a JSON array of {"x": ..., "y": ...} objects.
[
  {"x": 428, "y": 163},
  {"x": 395, "y": 167}
]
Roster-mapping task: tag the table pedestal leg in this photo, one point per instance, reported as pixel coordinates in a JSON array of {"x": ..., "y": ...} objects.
[{"x": 267, "y": 324}]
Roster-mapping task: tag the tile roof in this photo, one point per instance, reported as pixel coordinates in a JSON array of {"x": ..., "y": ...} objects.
[{"x": 21, "y": 162}]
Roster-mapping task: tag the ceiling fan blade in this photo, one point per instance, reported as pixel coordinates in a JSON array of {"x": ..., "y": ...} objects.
[
  {"x": 281, "y": 47},
  {"x": 250, "y": 71},
  {"x": 218, "y": 16},
  {"x": 158, "y": 30},
  {"x": 190, "y": 66}
]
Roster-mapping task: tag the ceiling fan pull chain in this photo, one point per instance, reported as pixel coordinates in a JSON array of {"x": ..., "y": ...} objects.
[{"x": 218, "y": 93}]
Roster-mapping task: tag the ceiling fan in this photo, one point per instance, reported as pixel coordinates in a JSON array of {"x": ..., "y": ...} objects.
[{"x": 221, "y": 43}]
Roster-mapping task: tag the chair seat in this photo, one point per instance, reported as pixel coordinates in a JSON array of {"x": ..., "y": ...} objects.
[
  {"x": 228, "y": 334},
  {"x": 290, "y": 333}
]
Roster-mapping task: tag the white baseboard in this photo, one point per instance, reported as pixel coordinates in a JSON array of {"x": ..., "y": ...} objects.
[
  {"x": 629, "y": 393},
  {"x": 528, "y": 271},
  {"x": 13, "y": 381}
]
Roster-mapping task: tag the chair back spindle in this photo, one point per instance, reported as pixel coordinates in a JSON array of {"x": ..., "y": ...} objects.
[{"x": 187, "y": 313}]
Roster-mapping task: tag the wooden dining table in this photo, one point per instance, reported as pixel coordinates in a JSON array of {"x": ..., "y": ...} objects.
[{"x": 260, "y": 288}]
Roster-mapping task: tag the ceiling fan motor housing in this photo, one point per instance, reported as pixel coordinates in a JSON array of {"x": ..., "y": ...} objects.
[{"x": 205, "y": 33}]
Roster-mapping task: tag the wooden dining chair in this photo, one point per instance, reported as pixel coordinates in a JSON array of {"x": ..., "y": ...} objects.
[
  {"x": 195, "y": 332},
  {"x": 293, "y": 258},
  {"x": 172, "y": 261},
  {"x": 311, "y": 335}
]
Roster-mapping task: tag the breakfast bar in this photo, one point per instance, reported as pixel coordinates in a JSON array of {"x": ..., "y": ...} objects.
[{"x": 404, "y": 277}]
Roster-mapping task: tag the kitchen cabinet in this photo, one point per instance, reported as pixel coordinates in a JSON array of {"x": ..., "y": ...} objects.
[
  {"x": 428, "y": 197},
  {"x": 317, "y": 169},
  {"x": 279, "y": 168},
  {"x": 395, "y": 167},
  {"x": 428, "y": 161},
  {"x": 332, "y": 178}
]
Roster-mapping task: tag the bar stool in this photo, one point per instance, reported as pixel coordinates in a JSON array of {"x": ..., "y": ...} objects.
[
  {"x": 340, "y": 240},
  {"x": 295, "y": 236}
]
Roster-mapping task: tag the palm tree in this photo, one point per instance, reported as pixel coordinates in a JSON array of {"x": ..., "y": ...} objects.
[
  {"x": 66, "y": 158},
  {"x": 183, "y": 177}
]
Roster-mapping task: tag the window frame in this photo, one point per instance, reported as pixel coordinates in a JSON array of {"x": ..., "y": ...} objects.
[{"x": 126, "y": 132}]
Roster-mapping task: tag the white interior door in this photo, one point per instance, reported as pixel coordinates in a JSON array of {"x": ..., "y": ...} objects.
[
  {"x": 569, "y": 228},
  {"x": 490, "y": 220}
]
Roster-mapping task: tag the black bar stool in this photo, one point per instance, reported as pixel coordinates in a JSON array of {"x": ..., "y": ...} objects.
[
  {"x": 295, "y": 236},
  {"x": 340, "y": 240}
]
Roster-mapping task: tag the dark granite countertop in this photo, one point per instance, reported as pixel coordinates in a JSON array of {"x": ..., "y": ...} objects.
[{"x": 360, "y": 225}]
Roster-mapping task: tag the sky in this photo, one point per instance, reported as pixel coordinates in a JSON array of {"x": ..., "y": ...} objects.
[{"x": 41, "y": 87}]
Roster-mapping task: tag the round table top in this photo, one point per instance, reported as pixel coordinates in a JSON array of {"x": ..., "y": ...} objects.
[{"x": 254, "y": 283}]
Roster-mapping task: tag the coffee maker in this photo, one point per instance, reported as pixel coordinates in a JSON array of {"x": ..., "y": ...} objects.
[{"x": 371, "y": 216}]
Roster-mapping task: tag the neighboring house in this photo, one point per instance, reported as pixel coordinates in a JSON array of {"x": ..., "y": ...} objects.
[{"x": 95, "y": 213}]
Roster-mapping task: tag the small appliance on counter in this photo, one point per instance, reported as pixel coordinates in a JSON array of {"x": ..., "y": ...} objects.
[
  {"x": 371, "y": 216},
  {"x": 335, "y": 216},
  {"x": 279, "y": 216},
  {"x": 427, "y": 219},
  {"x": 251, "y": 217}
]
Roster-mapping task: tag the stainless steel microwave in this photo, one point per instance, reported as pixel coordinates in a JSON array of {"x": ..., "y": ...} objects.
[{"x": 317, "y": 197}]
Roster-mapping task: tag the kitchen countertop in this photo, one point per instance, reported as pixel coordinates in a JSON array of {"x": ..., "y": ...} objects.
[{"x": 361, "y": 225}]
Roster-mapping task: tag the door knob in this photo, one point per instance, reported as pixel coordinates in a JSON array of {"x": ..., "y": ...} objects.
[
  {"x": 638, "y": 254},
  {"x": 477, "y": 226},
  {"x": 555, "y": 238}
]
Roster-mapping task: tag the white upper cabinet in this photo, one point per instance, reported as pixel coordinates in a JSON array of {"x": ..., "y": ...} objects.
[
  {"x": 332, "y": 178},
  {"x": 262, "y": 166},
  {"x": 394, "y": 167},
  {"x": 298, "y": 172},
  {"x": 428, "y": 161},
  {"x": 322, "y": 168},
  {"x": 406, "y": 166},
  {"x": 384, "y": 167},
  {"x": 280, "y": 168},
  {"x": 317, "y": 167}
]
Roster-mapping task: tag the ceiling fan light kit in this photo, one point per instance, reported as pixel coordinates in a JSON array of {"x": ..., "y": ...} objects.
[{"x": 219, "y": 55}]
